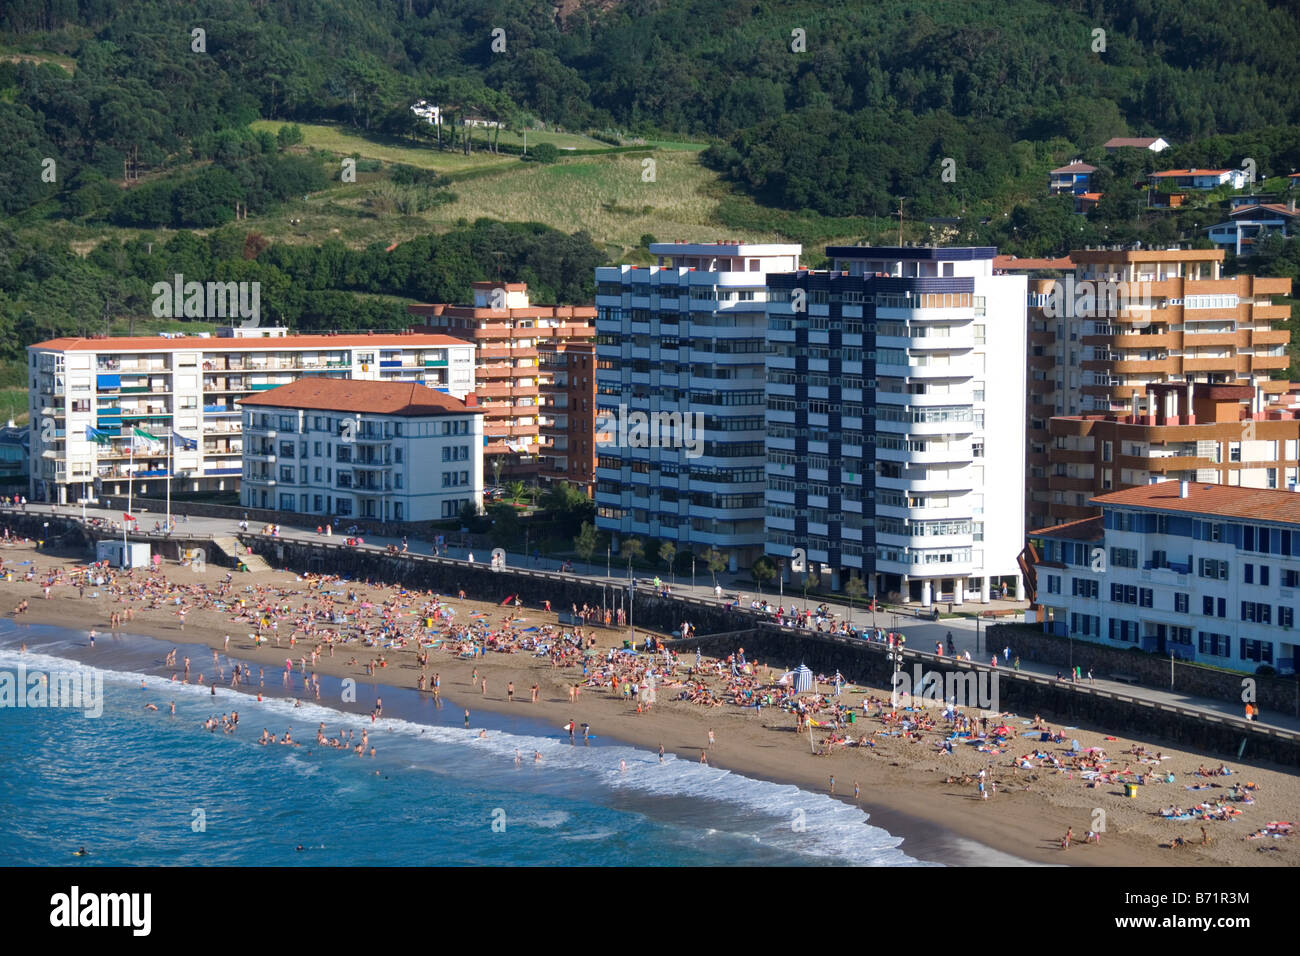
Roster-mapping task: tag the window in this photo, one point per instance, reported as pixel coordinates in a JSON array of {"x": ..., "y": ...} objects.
[
  {"x": 1123, "y": 557},
  {"x": 1053, "y": 584},
  {"x": 1248, "y": 574},
  {"x": 1215, "y": 645},
  {"x": 1087, "y": 588},
  {"x": 1285, "y": 616},
  {"x": 1210, "y": 568},
  {"x": 1256, "y": 613},
  {"x": 1181, "y": 602},
  {"x": 1261, "y": 651}
]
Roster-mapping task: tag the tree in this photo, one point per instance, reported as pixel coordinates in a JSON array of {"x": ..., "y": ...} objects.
[
  {"x": 289, "y": 135},
  {"x": 668, "y": 554},
  {"x": 855, "y": 589},
  {"x": 516, "y": 490},
  {"x": 716, "y": 561},
  {"x": 763, "y": 570},
  {"x": 544, "y": 153},
  {"x": 632, "y": 550},
  {"x": 810, "y": 580},
  {"x": 586, "y": 541}
]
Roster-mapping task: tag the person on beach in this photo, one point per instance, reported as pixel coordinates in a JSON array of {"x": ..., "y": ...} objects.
[
  {"x": 467, "y": 718},
  {"x": 704, "y": 758},
  {"x": 1069, "y": 835},
  {"x": 661, "y": 753}
]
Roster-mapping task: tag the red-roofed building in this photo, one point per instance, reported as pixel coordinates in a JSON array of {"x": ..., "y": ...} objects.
[
  {"x": 1200, "y": 178},
  {"x": 338, "y": 449},
  {"x": 1200, "y": 571},
  {"x": 1071, "y": 179},
  {"x": 1153, "y": 143},
  {"x": 88, "y": 394},
  {"x": 1114, "y": 376}
]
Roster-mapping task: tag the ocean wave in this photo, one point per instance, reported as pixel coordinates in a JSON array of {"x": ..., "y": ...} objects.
[{"x": 782, "y": 816}]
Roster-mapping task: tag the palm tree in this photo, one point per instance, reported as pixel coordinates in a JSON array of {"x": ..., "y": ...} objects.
[{"x": 516, "y": 490}]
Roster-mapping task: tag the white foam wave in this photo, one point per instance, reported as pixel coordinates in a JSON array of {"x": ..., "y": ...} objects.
[{"x": 799, "y": 821}]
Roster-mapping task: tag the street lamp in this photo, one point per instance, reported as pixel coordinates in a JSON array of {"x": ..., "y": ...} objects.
[{"x": 896, "y": 659}]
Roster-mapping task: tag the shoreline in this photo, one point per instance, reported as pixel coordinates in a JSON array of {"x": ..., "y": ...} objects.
[{"x": 902, "y": 783}]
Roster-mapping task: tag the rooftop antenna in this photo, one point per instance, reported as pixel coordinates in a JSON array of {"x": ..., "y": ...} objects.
[{"x": 900, "y": 220}]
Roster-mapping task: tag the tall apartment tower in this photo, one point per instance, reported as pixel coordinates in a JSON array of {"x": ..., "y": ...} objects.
[
  {"x": 688, "y": 335},
  {"x": 1177, "y": 320},
  {"x": 566, "y": 365},
  {"x": 506, "y": 328},
  {"x": 895, "y": 393}
]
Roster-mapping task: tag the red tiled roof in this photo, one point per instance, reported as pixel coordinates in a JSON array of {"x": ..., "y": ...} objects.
[
  {"x": 139, "y": 343},
  {"x": 1084, "y": 529},
  {"x": 1093, "y": 196},
  {"x": 1141, "y": 141},
  {"x": 1273, "y": 207},
  {"x": 1227, "y": 501},
  {"x": 1075, "y": 168},
  {"x": 1191, "y": 172},
  {"x": 355, "y": 395}
]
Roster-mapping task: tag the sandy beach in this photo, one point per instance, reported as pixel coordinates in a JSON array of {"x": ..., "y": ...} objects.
[{"x": 909, "y": 787}]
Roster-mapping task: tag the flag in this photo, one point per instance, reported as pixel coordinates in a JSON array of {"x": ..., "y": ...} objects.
[
  {"x": 189, "y": 444},
  {"x": 141, "y": 433},
  {"x": 127, "y": 517},
  {"x": 95, "y": 435}
]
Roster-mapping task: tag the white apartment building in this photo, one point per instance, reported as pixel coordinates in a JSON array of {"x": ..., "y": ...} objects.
[
  {"x": 1203, "y": 572},
  {"x": 381, "y": 451},
  {"x": 86, "y": 395},
  {"x": 684, "y": 336},
  {"x": 895, "y": 389}
]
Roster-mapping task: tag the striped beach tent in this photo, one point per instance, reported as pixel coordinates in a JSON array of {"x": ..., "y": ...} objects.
[{"x": 803, "y": 680}]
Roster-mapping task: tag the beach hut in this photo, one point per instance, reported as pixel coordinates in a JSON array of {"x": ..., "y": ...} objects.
[{"x": 803, "y": 680}]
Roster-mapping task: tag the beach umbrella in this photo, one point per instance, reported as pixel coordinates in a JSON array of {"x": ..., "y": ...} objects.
[{"x": 803, "y": 679}]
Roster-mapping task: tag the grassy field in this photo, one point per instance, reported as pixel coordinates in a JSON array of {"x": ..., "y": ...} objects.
[
  {"x": 334, "y": 139},
  {"x": 13, "y": 56}
]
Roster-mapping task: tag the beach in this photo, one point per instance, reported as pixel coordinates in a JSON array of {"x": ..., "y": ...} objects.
[{"x": 909, "y": 787}]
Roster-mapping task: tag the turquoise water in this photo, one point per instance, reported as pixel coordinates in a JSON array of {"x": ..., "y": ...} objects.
[{"x": 137, "y": 787}]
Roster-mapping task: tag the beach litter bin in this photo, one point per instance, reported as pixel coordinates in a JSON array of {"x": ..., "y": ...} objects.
[{"x": 1131, "y": 790}]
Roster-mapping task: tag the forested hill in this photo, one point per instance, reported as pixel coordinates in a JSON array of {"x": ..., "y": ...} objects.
[{"x": 878, "y": 94}]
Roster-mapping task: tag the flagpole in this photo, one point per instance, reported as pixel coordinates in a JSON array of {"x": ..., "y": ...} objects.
[{"x": 169, "y": 484}]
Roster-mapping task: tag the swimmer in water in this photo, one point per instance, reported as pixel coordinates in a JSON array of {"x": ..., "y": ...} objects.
[
  {"x": 82, "y": 852},
  {"x": 622, "y": 766},
  {"x": 517, "y": 758},
  {"x": 537, "y": 756},
  {"x": 482, "y": 734},
  {"x": 150, "y": 706}
]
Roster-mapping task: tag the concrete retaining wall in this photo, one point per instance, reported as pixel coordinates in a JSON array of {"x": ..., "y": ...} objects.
[{"x": 1278, "y": 694}]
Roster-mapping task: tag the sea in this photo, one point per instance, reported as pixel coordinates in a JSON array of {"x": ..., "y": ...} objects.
[{"x": 137, "y": 787}]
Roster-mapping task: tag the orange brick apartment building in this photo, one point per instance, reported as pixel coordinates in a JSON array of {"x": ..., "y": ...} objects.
[{"x": 534, "y": 426}]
